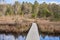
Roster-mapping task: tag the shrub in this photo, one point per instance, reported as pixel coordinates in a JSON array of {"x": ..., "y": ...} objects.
[{"x": 33, "y": 15}]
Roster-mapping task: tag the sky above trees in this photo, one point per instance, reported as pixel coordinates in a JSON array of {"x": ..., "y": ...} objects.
[{"x": 32, "y": 1}]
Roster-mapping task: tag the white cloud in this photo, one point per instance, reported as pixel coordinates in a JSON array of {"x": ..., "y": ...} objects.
[
  {"x": 50, "y": 2},
  {"x": 55, "y": 2},
  {"x": 2, "y": 2},
  {"x": 14, "y": 0}
]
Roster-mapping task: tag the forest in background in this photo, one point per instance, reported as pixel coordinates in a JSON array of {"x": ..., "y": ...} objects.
[{"x": 35, "y": 10}]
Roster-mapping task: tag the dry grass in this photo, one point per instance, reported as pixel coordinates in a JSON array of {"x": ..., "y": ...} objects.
[{"x": 19, "y": 24}]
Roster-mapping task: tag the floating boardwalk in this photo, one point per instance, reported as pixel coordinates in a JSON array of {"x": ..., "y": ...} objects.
[{"x": 33, "y": 33}]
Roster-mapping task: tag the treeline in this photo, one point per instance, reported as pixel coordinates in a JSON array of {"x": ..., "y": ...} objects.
[{"x": 36, "y": 10}]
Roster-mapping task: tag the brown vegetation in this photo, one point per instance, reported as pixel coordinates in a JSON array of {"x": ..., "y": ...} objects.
[{"x": 17, "y": 24}]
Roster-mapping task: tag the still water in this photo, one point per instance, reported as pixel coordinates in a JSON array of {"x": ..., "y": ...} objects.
[{"x": 11, "y": 37}]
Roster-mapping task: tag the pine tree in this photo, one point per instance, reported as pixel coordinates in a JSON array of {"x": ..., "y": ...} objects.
[{"x": 35, "y": 9}]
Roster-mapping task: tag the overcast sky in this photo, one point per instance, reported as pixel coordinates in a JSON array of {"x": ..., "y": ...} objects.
[{"x": 32, "y": 1}]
